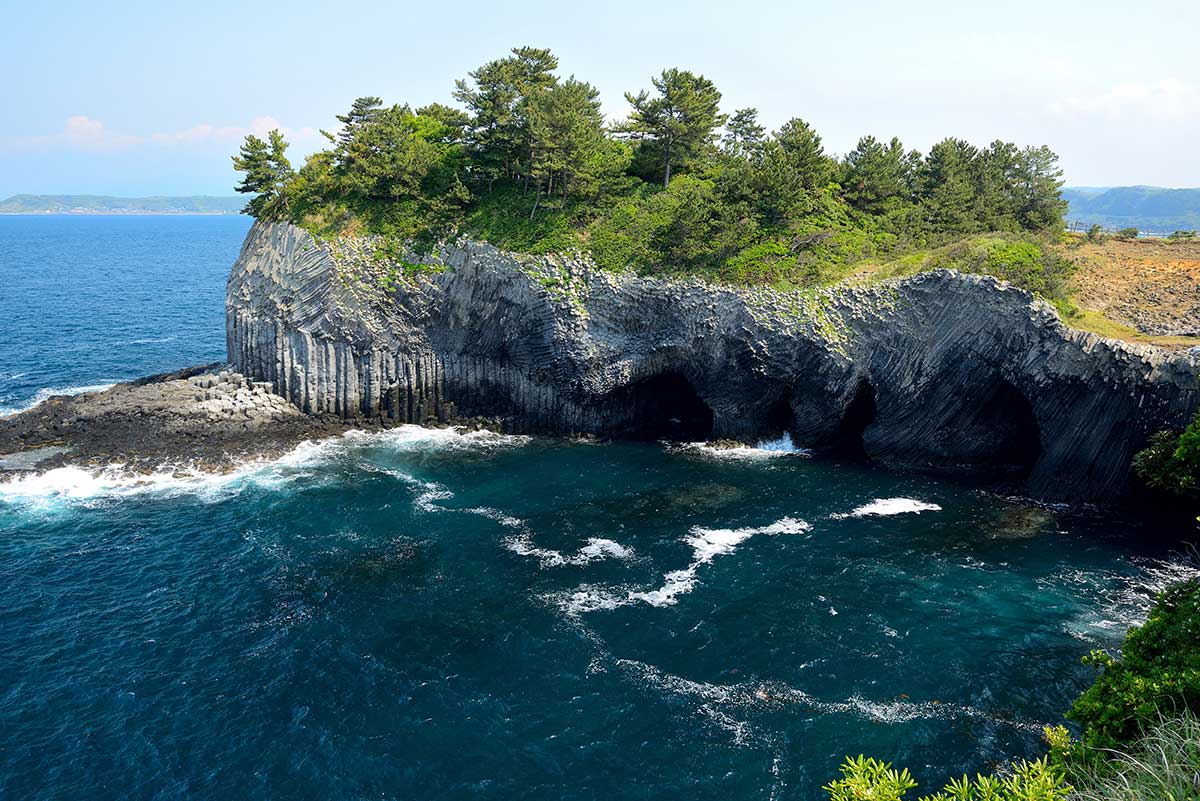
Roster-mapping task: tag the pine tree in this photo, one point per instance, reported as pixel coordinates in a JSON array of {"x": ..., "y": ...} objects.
[
  {"x": 948, "y": 186},
  {"x": 878, "y": 177},
  {"x": 267, "y": 173},
  {"x": 744, "y": 137},
  {"x": 498, "y": 97},
  {"x": 1038, "y": 184},
  {"x": 363, "y": 111},
  {"x": 678, "y": 124},
  {"x": 996, "y": 202},
  {"x": 805, "y": 153},
  {"x": 567, "y": 130}
]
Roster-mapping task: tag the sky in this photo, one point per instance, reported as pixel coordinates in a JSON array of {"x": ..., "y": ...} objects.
[{"x": 132, "y": 98}]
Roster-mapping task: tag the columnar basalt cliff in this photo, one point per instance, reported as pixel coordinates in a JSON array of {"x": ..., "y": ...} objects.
[{"x": 942, "y": 370}]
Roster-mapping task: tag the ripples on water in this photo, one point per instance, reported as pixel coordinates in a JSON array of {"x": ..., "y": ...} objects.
[
  {"x": 87, "y": 301},
  {"x": 432, "y": 614}
]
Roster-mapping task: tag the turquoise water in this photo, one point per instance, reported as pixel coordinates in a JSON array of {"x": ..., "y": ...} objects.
[{"x": 426, "y": 614}]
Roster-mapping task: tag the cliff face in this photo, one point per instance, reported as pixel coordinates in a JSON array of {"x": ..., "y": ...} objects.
[{"x": 940, "y": 370}]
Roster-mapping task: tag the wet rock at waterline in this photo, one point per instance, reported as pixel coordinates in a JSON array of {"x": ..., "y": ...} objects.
[{"x": 942, "y": 370}]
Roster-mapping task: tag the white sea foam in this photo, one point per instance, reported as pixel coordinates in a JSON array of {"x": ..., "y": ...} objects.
[
  {"x": 766, "y": 449},
  {"x": 768, "y": 695},
  {"x": 883, "y": 507},
  {"x": 75, "y": 484},
  {"x": 418, "y": 438},
  {"x": 596, "y": 548},
  {"x": 46, "y": 393},
  {"x": 502, "y": 518},
  {"x": 1115, "y": 601},
  {"x": 149, "y": 341},
  {"x": 706, "y": 544}
]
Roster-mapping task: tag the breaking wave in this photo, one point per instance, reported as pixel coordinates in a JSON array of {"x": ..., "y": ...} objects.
[
  {"x": 766, "y": 449},
  {"x": 706, "y": 544},
  {"x": 83, "y": 486},
  {"x": 775, "y": 695},
  {"x": 45, "y": 393},
  {"x": 595, "y": 549},
  {"x": 884, "y": 507}
]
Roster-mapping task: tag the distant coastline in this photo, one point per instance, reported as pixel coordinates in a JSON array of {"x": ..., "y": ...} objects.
[
  {"x": 127, "y": 213},
  {"x": 110, "y": 205}
]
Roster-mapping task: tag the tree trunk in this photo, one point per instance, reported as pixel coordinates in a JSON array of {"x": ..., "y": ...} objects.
[{"x": 536, "y": 198}]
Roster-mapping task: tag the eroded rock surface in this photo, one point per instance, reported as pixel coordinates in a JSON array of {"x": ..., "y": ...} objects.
[
  {"x": 956, "y": 372},
  {"x": 205, "y": 417}
]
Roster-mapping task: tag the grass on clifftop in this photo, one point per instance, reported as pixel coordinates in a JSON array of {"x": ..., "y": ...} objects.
[
  {"x": 1096, "y": 323},
  {"x": 526, "y": 160}
]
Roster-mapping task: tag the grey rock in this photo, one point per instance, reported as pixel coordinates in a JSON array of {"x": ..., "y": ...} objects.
[{"x": 942, "y": 370}]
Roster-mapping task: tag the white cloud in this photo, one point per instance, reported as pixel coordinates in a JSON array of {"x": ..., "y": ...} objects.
[
  {"x": 1165, "y": 98},
  {"x": 83, "y": 133}
]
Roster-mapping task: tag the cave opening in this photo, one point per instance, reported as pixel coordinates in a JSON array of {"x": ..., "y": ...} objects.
[
  {"x": 778, "y": 419},
  {"x": 1007, "y": 432},
  {"x": 666, "y": 406},
  {"x": 859, "y": 413}
]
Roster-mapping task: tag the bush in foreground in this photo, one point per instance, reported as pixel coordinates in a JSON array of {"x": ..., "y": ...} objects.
[
  {"x": 1140, "y": 738},
  {"x": 865, "y": 779},
  {"x": 1157, "y": 673},
  {"x": 1164, "y": 764}
]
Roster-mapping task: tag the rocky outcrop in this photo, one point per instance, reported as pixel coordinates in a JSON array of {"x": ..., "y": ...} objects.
[
  {"x": 943, "y": 370},
  {"x": 204, "y": 417}
]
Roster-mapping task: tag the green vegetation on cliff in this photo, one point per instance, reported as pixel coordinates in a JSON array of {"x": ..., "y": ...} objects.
[
  {"x": 526, "y": 161},
  {"x": 1171, "y": 462}
]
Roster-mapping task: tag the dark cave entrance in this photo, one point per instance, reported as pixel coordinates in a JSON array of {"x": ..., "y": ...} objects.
[
  {"x": 1006, "y": 431},
  {"x": 859, "y": 413},
  {"x": 779, "y": 418},
  {"x": 667, "y": 407}
]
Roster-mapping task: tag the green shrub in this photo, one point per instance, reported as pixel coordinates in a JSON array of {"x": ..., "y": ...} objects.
[
  {"x": 1095, "y": 233},
  {"x": 1157, "y": 673},
  {"x": 1128, "y": 233},
  {"x": 1171, "y": 462},
  {"x": 1024, "y": 262},
  {"x": 529, "y": 164},
  {"x": 507, "y": 219},
  {"x": 865, "y": 779},
  {"x": 1177, "y": 235},
  {"x": 1164, "y": 764}
]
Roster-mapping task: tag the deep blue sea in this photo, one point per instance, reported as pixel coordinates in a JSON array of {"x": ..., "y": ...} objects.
[{"x": 429, "y": 614}]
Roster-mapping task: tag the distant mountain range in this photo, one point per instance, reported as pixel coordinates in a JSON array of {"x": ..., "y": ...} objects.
[
  {"x": 104, "y": 204},
  {"x": 1147, "y": 208}
]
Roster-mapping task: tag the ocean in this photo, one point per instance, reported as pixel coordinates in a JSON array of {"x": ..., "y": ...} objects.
[{"x": 439, "y": 614}]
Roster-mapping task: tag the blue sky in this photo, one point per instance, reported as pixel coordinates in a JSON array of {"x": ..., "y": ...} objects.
[{"x": 151, "y": 98}]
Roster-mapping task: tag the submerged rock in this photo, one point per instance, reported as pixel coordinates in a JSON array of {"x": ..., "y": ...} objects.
[{"x": 942, "y": 370}]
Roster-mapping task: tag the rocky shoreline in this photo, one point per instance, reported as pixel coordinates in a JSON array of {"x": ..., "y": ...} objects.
[
  {"x": 943, "y": 371},
  {"x": 207, "y": 418}
]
